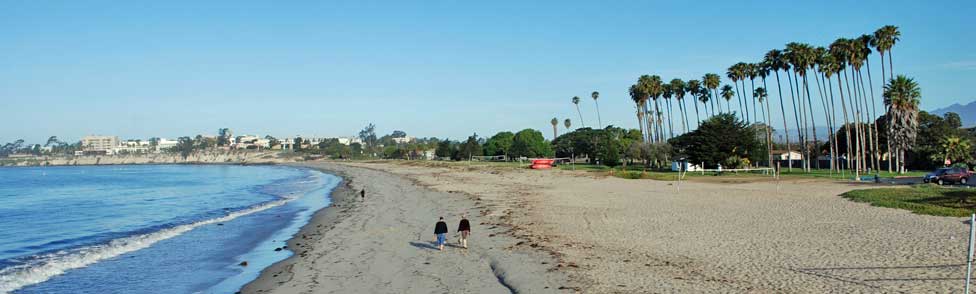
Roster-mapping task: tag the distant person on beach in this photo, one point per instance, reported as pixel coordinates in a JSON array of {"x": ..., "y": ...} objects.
[
  {"x": 465, "y": 229},
  {"x": 362, "y": 193},
  {"x": 440, "y": 231}
]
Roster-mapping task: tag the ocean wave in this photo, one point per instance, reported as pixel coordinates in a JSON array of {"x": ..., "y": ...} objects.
[{"x": 41, "y": 268}]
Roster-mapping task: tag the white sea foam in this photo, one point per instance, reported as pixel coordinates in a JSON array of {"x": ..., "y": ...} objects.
[{"x": 44, "y": 267}]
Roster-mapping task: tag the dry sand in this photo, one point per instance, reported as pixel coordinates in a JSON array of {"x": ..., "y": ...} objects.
[
  {"x": 383, "y": 244},
  {"x": 615, "y": 235}
]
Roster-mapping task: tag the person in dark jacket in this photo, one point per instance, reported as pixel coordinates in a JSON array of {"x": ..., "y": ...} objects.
[
  {"x": 440, "y": 232},
  {"x": 465, "y": 229}
]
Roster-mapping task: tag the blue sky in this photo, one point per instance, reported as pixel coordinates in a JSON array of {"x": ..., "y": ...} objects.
[{"x": 434, "y": 68}]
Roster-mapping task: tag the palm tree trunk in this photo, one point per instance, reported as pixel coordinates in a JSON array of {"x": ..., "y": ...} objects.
[
  {"x": 660, "y": 127},
  {"x": 738, "y": 97},
  {"x": 786, "y": 129},
  {"x": 813, "y": 123},
  {"x": 769, "y": 127},
  {"x": 580, "y": 115},
  {"x": 891, "y": 67},
  {"x": 796, "y": 115},
  {"x": 887, "y": 138},
  {"x": 847, "y": 123},
  {"x": 874, "y": 118},
  {"x": 833, "y": 127},
  {"x": 684, "y": 115},
  {"x": 640, "y": 124},
  {"x": 752, "y": 83},
  {"x": 745, "y": 101},
  {"x": 803, "y": 119},
  {"x": 667, "y": 104},
  {"x": 852, "y": 94},
  {"x": 712, "y": 93},
  {"x": 823, "y": 102},
  {"x": 870, "y": 131},
  {"x": 598, "y": 118},
  {"x": 697, "y": 117}
]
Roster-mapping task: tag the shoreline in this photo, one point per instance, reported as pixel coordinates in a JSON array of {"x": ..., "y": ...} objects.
[{"x": 281, "y": 271}]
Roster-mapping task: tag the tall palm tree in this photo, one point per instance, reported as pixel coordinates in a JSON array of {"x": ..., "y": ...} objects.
[
  {"x": 824, "y": 58},
  {"x": 678, "y": 87},
  {"x": 568, "y": 124},
  {"x": 727, "y": 93},
  {"x": 712, "y": 81},
  {"x": 576, "y": 101},
  {"x": 554, "y": 122},
  {"x": 834, "y": 66},
  {"x": 884, "y": 39},
  {"x": 596, "y": 95},
  {"x": 694, "y": 87},
  {"x": 902, "y": 96},
  {"x": 841, "y": 50},
  {"x": 760, "y": 95},
  {"x": 864, "y": 42},
  {"x": 797, "y": 55},
  {"x": 777, "y": 62}
]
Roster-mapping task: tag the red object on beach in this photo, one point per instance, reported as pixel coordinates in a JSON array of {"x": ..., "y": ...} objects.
[{"x": 542, "y": 163}]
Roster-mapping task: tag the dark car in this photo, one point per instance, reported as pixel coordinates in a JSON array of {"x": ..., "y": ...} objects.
[{"x": 948, "y": 175}]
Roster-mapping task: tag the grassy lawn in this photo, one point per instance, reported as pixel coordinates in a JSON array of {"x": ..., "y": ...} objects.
[{"x": 921, "y": 199}]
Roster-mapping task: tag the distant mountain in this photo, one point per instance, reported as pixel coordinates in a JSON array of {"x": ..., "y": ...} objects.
[{"x": 966, "y": 112}]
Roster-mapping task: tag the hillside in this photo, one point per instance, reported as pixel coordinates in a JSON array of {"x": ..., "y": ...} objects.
[{"x": 966, "y": 112}]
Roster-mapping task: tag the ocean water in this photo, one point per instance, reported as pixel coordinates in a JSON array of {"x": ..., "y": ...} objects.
[{"x": 150, "y": 228}]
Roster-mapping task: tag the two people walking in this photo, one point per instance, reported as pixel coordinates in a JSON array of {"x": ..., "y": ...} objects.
[{"x": 440, "y": 232}]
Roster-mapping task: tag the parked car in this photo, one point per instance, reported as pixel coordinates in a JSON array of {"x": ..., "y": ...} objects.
[{"x": 948, "y": 175}]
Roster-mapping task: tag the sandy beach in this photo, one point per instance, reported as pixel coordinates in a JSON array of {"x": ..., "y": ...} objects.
[
  {"x": 590, "y": 233},
  {"x": 384, "y": 244}
]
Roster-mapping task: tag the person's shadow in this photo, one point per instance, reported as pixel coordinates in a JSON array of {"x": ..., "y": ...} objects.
[{"x": 424, "y": 245}]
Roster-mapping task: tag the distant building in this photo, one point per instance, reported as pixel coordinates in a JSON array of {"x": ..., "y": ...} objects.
[
  {"x": 349, "y": 140},
  {"x": 164, "y": 144},
  {"x": 404, "y": 140},
  {"x": 783, "y": 155},
  {"x": 104, "y": 145},
  {"x": 132, "y": 146}
]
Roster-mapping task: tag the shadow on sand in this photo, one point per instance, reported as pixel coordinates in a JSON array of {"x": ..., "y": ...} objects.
[{"x": 424, "y": 245}]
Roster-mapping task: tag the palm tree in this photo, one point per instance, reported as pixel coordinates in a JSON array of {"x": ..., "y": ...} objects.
[
  {"x": 678, "y": 88},
  {"x": 836, "y": 66},
  {"x": 902, "y": 96},
  {"x": 712, "y": 81},
  {"x": 823, "y": 60},
  {"x": 695, "y": 88},
  {"x": 727, "y": 93},
  {"x": 554, "y": 122},
  {"x": 576, "y": 101},
  {"x": 733, "y": 74},
  {"x": 955, "y": 148},
  {"x": 760, "y": 94},
  {"x": 568, "y": 124},
  {"x": 595, "y": 96},
  {"x": 704, "y": 98},
  {"x": 885, "y": 38},
  {"x": 777, "y": 62},
  {"x": 864, "y": 52},
  {"x": 797, "y": 56}
]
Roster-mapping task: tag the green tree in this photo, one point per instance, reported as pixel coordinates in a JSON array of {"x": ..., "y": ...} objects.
[
  {"x": 470, "y": 148},
  {"x": 956, "y": 149},
  {"x": 718, "y": 138},
  {"x": 530, "y": 143},
  {"x": 902, "y": 96},
  {"x": 499, "y": 144},
  {"x": 727, "y": 94}
]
